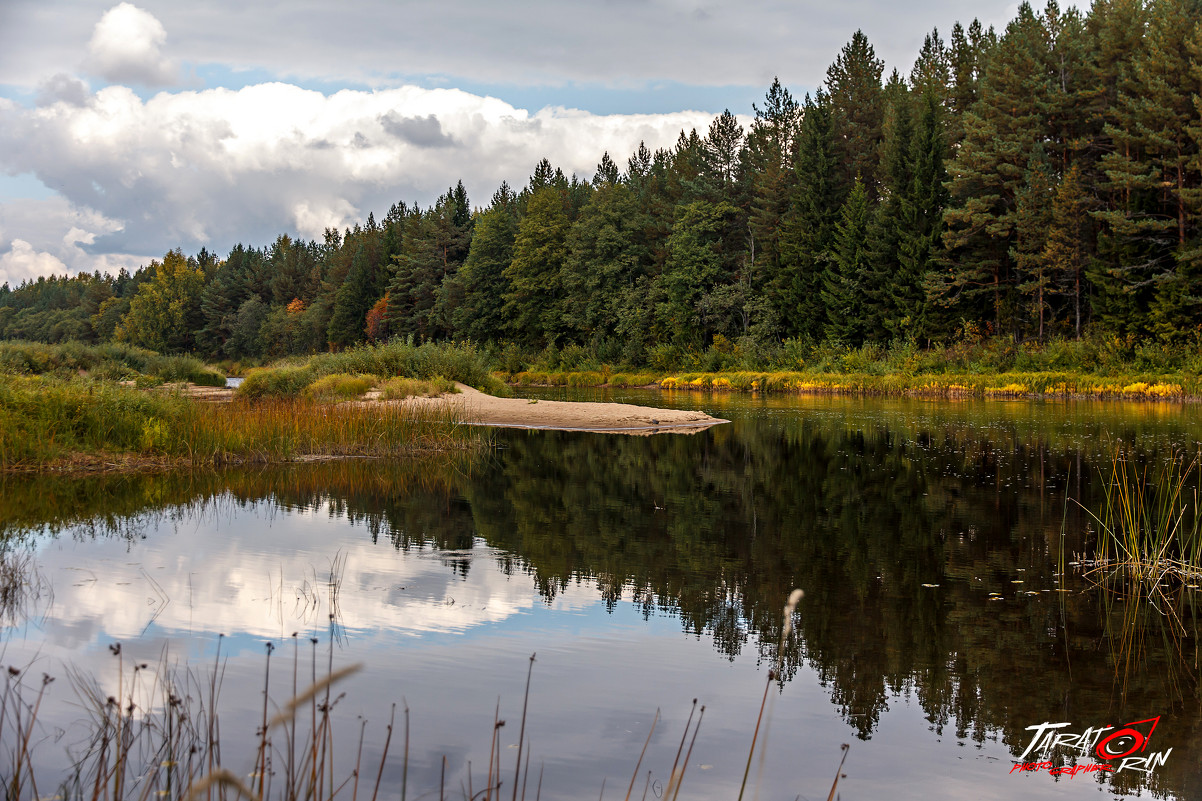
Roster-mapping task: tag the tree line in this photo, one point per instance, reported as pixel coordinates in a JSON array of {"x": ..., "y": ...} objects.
[{"x": 1040, "y": 183}]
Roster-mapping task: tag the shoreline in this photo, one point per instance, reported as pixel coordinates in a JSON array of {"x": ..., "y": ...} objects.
[{"x": 1156, "y": 388}]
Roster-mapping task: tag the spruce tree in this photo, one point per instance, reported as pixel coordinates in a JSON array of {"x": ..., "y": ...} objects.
[
  {"x": 768, "y": 163},
  {"x": 843, "y": 282},
  {"x": 809, "y": 227},
  {"x": 857, "y": 111}
]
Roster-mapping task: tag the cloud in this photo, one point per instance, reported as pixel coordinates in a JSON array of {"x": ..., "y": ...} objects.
[
  {"x": 420, "y": 131},
  {"x": 22, "y": 262},
  {"x": 543, "y": 42},
  {"x": 126, "y": 47},
  {"x": 215, "y": 167},
  {"x": 63, "y": 88},
  {"x": 51, "y": 236}
]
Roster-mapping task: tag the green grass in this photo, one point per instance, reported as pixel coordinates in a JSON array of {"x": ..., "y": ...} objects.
[
  {"x": 46, "y": 421},
  {"x": 340, "y": 386},
  {"x": 114, "y": 361},
  {"x": 1015, "y": 384},
  {"x": 401, "y": 388},
  {"x": 1149, "y": 524},
  {"x": 278, "y": 382},
  {"x": 442, "y": 361}
]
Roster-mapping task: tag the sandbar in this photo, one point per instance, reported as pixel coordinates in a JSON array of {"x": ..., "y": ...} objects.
[{"x": 476, "y": 408}]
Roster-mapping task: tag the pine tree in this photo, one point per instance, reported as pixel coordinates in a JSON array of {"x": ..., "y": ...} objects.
[
  {"x": 809, "y": 227},
  {"x": 1150, "y": 175},
  {"x": 857, "y": 111},
  {"x": 769, "y": 165},
  {"x": 843, "y": 282},
  {"x": 1068, "y": 248},
  {"x": 1032, "y": 219},
  {"x": 1000, "y": 132}
]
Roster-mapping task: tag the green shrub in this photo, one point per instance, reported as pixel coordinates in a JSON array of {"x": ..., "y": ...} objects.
[
  {"x": 340, "y": 386},
  {"x": 280, "y": 382},
  {"x": 401, "y": 388},
  {"x": 206, "y": 377}
]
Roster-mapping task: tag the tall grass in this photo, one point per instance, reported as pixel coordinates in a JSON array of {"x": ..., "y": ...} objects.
[
  {"x": 45, "y": 420},
  {"x": 456, "y": 361},
  {"x": 1149, "y": 524},
  {"x": 431, "y": 361},
  {"x": 113, "y": 361}
]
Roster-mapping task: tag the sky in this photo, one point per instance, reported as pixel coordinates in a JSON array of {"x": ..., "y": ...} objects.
[{"x": 127, "y": 130}]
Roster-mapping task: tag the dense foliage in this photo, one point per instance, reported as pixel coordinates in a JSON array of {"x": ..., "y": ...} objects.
[{"x": 1035, "y": 184}]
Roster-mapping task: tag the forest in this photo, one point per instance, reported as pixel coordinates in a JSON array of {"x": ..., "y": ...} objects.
[{"x": 1039, "y": 184}]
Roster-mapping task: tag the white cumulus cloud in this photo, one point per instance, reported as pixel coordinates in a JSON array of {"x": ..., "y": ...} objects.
[
  {"x": 127, "y": 47},
  {"x": 51, "y": 236},
  {"x": 215, "y": 167},
  {"x": 22, "y": 261}
]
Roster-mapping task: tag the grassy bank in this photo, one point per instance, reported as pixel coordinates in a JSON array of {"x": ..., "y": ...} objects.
[
  {"x": 113, "y": 361},
  {"x": 438, "y": 363},
  {"x": 1140, "y": 386},
  {"x": 47, "y": 422},
  {"x": 1095, "y": 367}
]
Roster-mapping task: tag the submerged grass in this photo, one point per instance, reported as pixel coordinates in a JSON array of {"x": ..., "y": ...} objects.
[{"x": 46, "y": 422}]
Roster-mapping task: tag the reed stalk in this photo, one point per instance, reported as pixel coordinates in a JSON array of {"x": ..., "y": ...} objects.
[{"x": 1149, "y": 526}]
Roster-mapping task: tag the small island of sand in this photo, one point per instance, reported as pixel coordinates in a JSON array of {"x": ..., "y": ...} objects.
[{"x": 610, "y": 418}]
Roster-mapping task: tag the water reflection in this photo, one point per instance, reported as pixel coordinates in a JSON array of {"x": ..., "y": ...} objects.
[{"x": 928, "y": 538}]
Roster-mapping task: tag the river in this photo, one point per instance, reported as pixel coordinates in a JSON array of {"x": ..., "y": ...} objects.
[{"x": 942, "y": 547}]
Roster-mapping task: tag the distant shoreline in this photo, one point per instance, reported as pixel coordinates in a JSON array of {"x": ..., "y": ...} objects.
[{"x": 951, "y": 386}]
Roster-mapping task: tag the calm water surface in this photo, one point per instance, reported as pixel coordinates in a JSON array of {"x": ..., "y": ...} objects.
[{"x": 645, "y": 572}]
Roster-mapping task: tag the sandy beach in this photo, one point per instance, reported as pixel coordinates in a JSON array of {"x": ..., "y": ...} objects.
[{"x": 612, "y": 418}]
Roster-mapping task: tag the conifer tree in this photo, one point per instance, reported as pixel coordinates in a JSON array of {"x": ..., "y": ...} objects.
[
  {"x": 885, "y": 226},
  {"x": 857, "y": 111},
  {"x": 809, "y": 227},
  {"x": 352, "y": 301},
  {"x": 843, "y": 281},
  {"x": 1151, "y": 174},
  {"x": 534, "y": 301},
  {"x": 1000, "y": 132},
  {"x": 920, "y": 229},
  {"x": 768, "y": 162},
  {"x": 1068, "y": 247},
  {"x": 1032, "y": 219},
  {"x": 482, "y": 279}
]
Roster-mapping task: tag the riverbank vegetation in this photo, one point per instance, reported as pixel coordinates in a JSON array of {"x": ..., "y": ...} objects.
[
  {"x": 52, "y": 423},
  {"x": 1037, "y": 184},
  {"x": 100, "y": 407},
  {"x": 1149, "y": 524},
  {"x": 984, "y": 368}
]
